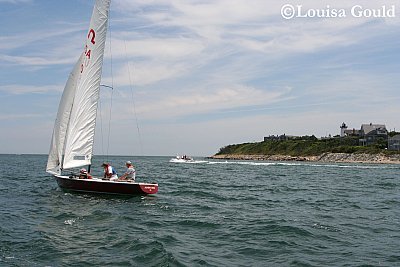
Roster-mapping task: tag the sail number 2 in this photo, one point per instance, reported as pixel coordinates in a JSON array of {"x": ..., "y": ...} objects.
[
  {"x": 92, "y": 37},
  {"x": 93, "y": 34}
]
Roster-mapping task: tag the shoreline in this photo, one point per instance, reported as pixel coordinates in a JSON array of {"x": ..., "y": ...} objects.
[{"x": 325, "y": 158}]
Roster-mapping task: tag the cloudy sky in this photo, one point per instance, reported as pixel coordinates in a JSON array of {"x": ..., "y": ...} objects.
[{"x": 191, "y": 76}]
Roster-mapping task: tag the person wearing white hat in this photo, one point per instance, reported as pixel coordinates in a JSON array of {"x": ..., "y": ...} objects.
[{"x": 130, "y": 173}]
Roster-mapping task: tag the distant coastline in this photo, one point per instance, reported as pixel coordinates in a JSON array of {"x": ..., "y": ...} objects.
[
  {"x": 309, "y": 148},
  {"x": 325, "y": 157}
]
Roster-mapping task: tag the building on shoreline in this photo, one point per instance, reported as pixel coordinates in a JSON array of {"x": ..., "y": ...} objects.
[
  {"x": 285, "y": 137},
  {"x": 282, "y": 137},
  {"x": 345, "y": 132},
  {"x": 371, "y": 133},
  {"x": 368, "y": 134},
  {"x": 394, "y": 142}
]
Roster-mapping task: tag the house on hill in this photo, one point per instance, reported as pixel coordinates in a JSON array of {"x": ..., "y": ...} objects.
[
  {"x": 352, "y": 132},
  {"x": 370, "y": 133},
  {"x": 282, "y": 137}
]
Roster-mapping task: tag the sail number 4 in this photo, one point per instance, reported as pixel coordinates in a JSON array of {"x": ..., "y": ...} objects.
[{"x": 92, "y": 37}]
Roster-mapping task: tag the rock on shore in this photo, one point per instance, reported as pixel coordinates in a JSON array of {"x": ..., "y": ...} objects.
[{"x": 326, "y": 157}]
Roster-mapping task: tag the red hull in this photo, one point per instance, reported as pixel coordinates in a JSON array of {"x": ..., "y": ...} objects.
[{"x": 104, "y": 186}]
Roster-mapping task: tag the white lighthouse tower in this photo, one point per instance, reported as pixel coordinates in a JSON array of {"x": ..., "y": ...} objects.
[{"x": 343, "y": 128}]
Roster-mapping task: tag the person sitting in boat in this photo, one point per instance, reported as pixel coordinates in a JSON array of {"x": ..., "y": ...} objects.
[
  {"x": 83, "y": 174},
  {"x": 130, "y": 173},
  {"x": 109, "y": 172}
]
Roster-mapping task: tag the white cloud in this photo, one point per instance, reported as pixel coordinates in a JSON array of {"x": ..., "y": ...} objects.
[
  {"x": 14, "y": 117},
  {"x": 145, "y": 73},
  {"x": 257, "y": 21},
  {"x": 49, "y": 35},
  {"x": 15, "y": 1},
  {"x": 223, "y": 98},
  {"x": 43, "y": 48},
  {"x": 157, "y": 48},
  {"x": 18, "y": 89},
  {"x": 161, "y": 105},
  {"x": 34, "y": 61}
]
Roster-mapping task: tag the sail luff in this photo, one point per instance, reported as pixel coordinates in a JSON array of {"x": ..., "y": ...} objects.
[{"x": 80, "y": 133}]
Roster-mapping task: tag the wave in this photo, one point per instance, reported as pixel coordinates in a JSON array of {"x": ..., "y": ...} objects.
[
  {"x": 324, "y": 165},
  {"x": 274, "y": 163}
]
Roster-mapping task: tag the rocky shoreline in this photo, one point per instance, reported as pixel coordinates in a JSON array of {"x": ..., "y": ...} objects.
[{"x": 325, "y": 157}]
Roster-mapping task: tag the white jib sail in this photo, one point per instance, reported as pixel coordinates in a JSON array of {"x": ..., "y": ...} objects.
[
  {"x": 77, "y": 146},
  {"x": 62, "y": 120}
]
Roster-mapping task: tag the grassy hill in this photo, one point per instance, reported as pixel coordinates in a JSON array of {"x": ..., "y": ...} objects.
[{"x": 305, "y": 146}]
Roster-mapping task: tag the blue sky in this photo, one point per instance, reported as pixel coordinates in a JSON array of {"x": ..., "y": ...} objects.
[{"x": 204, "y": 74}]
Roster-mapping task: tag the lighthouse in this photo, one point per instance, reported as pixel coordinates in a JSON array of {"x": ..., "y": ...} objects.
[{"x": 343, "y": 128}]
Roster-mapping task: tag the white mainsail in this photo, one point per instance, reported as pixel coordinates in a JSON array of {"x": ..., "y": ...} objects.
[{"x": 73, "y": 135}]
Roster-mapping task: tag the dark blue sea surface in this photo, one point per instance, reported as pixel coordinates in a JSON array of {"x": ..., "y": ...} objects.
[{"x": 210, "y": 213}]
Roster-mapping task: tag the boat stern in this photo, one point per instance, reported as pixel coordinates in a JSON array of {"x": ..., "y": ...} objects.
[{"x": 149, "y": 188}]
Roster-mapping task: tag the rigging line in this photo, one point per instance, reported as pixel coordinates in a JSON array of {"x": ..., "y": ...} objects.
[
  {"x": 133, "y": 103},
  {"x": 101, "y": 120},
  {"x": 101, "y": 127},
  {"x": 112, "y": 88}
]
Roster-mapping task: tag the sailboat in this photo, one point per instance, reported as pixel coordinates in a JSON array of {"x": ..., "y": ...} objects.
[{"x": 74, "y": 128}]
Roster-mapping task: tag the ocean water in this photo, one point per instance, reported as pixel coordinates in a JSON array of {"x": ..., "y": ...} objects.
[{"x": 211, "y": 213}]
